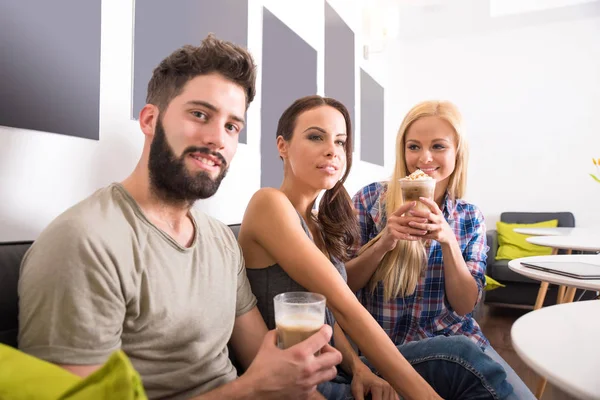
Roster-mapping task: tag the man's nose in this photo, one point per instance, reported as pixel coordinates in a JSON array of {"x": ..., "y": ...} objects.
[{"x": 213, "y": 136}]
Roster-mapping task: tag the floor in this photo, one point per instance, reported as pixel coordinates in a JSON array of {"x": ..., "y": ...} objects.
[{"x": 496, "y": 324}]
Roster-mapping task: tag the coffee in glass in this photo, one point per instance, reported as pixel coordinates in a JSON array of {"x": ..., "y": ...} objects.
[{"x": 298, "y": 315}]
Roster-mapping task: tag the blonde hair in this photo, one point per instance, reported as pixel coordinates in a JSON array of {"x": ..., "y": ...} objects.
[{"x": 400, "y": 269}]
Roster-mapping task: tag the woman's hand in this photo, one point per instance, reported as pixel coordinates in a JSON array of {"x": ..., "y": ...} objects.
[
  {"x": 364, "y": 382},
  {"x": 436, "y": 226},
  {"x": 399, "y": 227}
]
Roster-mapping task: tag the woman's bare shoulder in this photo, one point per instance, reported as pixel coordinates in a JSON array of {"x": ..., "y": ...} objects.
[
  {"x": 268, "y": 195},
  {"x": 269, "y": 205}
]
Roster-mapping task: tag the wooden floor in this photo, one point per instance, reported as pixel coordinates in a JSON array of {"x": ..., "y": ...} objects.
[{"x": 496, "y": 325}]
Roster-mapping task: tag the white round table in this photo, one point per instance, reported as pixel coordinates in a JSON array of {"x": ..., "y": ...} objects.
[
  {"x": 570, "y": 242},
  {"x": 588, "y": 284},
  {"x": 589, "y": 242},
  {"x": 566, "y": 354},
  {"x": 558, "y": 231}
]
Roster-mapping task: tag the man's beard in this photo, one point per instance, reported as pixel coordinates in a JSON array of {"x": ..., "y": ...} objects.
[{"x": 169, "y": 177}]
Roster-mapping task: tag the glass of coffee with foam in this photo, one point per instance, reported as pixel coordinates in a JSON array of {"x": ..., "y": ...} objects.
[
  {"x": 298, "y": 315},
  {"x": 416, "y": 185}
]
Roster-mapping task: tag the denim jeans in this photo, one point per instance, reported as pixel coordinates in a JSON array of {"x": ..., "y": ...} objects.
[
  {"x": 520, "y": 389},
  {"x": 454, "y": 366}
]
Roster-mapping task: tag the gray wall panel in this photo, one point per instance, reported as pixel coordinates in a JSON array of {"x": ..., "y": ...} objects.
[
  {"x": 339, "y": 60},
  {"x": 163, "y": 26},
  {"x": 50, "y": 66},
  {"x": 371, "y": 117},
  {"x": 289, "y": 71}
]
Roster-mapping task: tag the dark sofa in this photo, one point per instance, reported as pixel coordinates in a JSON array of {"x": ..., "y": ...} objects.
[
  {"x": 11, "y": 255},
  {"x": 520, "y": 291}
]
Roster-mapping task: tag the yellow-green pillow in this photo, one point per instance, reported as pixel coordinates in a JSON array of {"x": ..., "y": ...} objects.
[
  {"x": 117, "y": 379},
  {"x": 26, "y": 377},
  {"x": 513, "y": 245},
  {"x": 491, "y": 284}
]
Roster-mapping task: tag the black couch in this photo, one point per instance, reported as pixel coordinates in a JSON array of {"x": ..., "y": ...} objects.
[
  {"x": 520, "y": 291},
  {"x": 11, "y": 255}
]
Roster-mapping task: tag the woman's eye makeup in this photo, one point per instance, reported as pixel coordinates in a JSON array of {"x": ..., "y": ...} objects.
[
  {"x": 323, "y": 136},
  {"x": 414, "y": 147}
]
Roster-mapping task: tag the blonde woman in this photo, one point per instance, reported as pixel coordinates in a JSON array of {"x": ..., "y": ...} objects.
[{"x": 421, "y": 273}]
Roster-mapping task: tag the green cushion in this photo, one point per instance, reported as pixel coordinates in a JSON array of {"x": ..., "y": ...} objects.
[
  {"x": 25, "y": 377},
  {"x": 117, "y": 379},
  {"x": 491, "y": 284},
  {"x": 513, "y": 245}
]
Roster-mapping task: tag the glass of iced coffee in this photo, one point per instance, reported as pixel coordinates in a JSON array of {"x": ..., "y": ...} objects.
[
  {"x": 416, "y": 185},
  {"x": 298, "y": 315}
]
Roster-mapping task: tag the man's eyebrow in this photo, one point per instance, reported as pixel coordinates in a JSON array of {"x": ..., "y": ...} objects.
[
  {"x": 215, "y": 109},
  {"x": 202, "y": 103}
]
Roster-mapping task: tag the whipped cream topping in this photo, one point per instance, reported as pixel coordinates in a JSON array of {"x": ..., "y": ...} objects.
[{"x": 418, "y": 175}]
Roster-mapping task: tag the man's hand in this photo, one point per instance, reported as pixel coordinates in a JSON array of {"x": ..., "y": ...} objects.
[{"x": 293, "y": 373}]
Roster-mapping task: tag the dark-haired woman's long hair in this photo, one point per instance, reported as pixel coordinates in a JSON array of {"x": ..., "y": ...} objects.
[{"x": 336, "y": 217}]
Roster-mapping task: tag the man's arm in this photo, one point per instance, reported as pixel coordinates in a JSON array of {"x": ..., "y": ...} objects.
[
  {"x": 294, "y": 371},
  {"x": 249, "y": 331},
  {"x": 242, "y": 390}
]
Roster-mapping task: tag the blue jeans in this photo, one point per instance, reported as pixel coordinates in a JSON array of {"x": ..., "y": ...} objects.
[
  {"x": 454, "y": 366},
  {"x": 520, "y": 389}
]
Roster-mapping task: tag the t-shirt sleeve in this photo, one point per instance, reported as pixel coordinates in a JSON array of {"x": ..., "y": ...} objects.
[
  {"x": 475, "y": 253},
  {"x": 245, "y": 300},
  {"x": 71, "y": 306}
]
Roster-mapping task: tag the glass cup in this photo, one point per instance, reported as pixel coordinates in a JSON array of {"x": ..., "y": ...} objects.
[
  {"x": 413, "y": 190},
  {"x": 298, "y": 315}
]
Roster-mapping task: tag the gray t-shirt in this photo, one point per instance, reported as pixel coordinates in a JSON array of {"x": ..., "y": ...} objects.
[{"x": 101, "y": 277}]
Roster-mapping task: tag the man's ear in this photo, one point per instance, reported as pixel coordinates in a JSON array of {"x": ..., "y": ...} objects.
[
  {"x": 282, "y": 146},
  {"x": 148, "y": 119}
]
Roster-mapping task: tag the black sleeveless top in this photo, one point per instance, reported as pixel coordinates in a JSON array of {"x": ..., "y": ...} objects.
[{"x": 268, "y": 282}]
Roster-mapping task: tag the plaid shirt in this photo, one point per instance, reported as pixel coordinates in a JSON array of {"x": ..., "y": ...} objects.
[{"x": 427, "y": 312}]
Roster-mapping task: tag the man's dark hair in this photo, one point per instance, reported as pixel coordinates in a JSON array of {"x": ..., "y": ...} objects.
[{"x": 212, "y": 56}]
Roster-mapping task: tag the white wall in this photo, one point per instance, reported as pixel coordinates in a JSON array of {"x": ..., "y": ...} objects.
[
  {"x": 43, "y": 174},
  {"x": 529, "y": 89}
]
